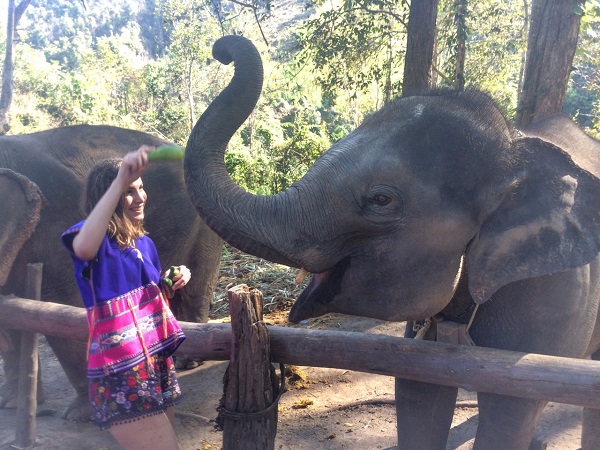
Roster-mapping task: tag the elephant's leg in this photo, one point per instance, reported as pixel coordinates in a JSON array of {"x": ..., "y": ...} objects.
[
  {"x": 8, "y": 390},
  {"x": 11, "y": 361},
  {"x": 193, "y": 303},
  {"x": 506, "y": 422},
  {"x": 424, "y": 413},
  {"x": 590, "y": 433},
  {"x": 189, "y": 308},
  {"x": 72, "y": 358}
]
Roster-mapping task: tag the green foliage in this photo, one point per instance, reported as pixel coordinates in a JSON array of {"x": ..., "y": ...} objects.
[
  {"x": 147, "y": 65},
  {"x": 164, "y": 111},
  {"x": 357, "y": 47},
  {"x": 496, "y": 41},
  {"x": 355, "y": 44},
  {"x": 292, "y": 159},
  {"x": 274, "y": 166},
  {"x": 583, "y": 97},
  {"x": 251, "y": 173},
  {"x": 583, "y": 94}
]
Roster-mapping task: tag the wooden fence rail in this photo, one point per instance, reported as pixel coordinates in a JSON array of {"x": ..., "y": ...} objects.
[{"x": 563, "y": 380}]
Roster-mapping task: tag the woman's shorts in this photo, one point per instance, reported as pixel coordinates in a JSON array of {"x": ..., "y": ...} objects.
[{"x": 135, "y": 393}]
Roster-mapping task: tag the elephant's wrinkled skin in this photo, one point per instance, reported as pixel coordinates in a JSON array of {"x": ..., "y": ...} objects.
[
  {"x": 41, "y": 181},
  {"x": 434, "y": 204}
]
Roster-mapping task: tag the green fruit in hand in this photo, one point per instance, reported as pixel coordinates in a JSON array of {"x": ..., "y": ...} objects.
[
  {"x": 166, "y": 153},
  {"x": 168, "y": 280},
  {"x": 173, "y": 272}
]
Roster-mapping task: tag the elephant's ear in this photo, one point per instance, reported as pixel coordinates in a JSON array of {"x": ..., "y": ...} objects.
[
  {"x": 20, "y": 204},
  {"x": 548, "y": 221}
]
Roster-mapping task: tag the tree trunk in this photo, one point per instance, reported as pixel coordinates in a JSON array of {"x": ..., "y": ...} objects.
[
  {"x": 553, "y": 33},
  {"x": 524, "y": 52},
  {"x": 14, "y": 15},
  {"x": 389, "y": 65},
  {"x": 7, "y": 70},
  {"x": 460, "y": 19},
  {"x": 190, "y": 93},
  {"x": 420, "y": 43}
]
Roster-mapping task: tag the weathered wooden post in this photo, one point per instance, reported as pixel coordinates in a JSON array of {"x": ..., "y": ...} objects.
[
  {"x": 248, "y": 410},
  {"x": 28, "y": 368}
]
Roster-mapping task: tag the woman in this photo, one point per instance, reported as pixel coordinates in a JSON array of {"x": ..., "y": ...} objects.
[{"x": 132, "y": 382}]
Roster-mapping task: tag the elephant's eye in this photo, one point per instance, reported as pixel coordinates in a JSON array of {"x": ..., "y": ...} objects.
[
  {"x": 381, "y": 199},
  {"x": 383, "y": 204}
]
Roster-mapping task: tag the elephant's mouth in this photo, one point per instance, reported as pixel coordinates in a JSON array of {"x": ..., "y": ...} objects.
[{"x": 321, "y": 290}]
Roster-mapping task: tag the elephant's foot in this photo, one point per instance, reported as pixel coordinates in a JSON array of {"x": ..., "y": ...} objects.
[
  {"x": 78, "y": 410},
  {"x": 187, "y": 363},
  {"x": 9, "y": 394},
  {"x": 590, "y": 433},
  {"x": 536, "y": 444}
]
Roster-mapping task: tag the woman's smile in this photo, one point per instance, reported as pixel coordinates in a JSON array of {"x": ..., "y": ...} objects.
[{"x": 134, "y": 201}]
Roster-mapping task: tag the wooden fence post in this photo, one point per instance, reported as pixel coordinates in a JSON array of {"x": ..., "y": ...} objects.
[
  {"x": 248, "y": 409},
  {"x": 28, "y": 368}
]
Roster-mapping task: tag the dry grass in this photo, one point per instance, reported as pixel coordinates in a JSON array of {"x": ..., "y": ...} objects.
[{"x": 275, "y": 281}]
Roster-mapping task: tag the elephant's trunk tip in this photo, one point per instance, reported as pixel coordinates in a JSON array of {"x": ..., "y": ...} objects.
[{"x": 301, "y": 276}]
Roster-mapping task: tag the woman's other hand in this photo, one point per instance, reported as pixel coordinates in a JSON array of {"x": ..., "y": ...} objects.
[{"x": 181, "y": 279}]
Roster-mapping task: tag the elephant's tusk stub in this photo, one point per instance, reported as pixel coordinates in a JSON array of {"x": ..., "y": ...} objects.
[{"x": 301, "y": 276}]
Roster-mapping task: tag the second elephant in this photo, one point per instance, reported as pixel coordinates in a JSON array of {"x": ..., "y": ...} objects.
[{"x": 41, "y": 181}]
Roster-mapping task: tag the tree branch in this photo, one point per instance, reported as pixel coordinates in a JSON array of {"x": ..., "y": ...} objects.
[
  {"x": 19, "y": 10},
  {"x": 254, "y": 9}
]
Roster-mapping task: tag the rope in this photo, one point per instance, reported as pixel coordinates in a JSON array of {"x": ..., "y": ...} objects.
[
  {"x": 422, "y": 329},
  {"x": 472, "y": 317},
  {"x": 234, "y": 415}
]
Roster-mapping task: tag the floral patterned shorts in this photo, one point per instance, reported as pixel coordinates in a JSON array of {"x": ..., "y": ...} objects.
[{"x": 134, "y": 393}]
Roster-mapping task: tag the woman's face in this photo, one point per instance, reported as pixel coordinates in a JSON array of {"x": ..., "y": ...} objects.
[{"x": 134, "y": 201}]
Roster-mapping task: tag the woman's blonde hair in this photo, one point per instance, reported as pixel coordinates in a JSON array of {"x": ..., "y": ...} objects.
[{"x": 99, "y": 180}]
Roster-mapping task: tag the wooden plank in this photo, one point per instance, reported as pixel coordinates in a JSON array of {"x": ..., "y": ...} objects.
[{"x": 562, "y": 380}]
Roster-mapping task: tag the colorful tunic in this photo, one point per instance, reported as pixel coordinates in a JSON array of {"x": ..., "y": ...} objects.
[{"x": 128, "y": 316}]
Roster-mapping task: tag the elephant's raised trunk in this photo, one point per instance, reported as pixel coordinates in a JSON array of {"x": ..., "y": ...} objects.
[{"x": 244, "y": 220}]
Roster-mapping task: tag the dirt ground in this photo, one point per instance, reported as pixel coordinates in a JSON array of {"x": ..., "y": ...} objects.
[{"x": 338, "y": 409}]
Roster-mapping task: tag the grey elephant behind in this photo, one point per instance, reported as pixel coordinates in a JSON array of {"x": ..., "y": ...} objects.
[
  {"x": 41, "y": 182},
  {"x": 435, "y": 207}
]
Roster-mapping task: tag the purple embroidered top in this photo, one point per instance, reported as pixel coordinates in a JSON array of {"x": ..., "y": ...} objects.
[
  {"x": 116, "y": 271},
  {"x": 130, "y": 319}
]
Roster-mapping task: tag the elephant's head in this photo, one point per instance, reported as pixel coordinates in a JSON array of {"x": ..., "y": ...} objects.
[{"x": 390, "y": 216}]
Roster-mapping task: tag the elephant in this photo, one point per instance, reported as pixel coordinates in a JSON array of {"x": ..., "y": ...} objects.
[
  {"x": 42, "y": 178},
  {"x": 434, "y": 207}
]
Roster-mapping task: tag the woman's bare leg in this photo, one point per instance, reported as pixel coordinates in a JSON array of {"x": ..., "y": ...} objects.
[
  {"x": 150, "y": 432},
  {"x": 170, "y": 412}
]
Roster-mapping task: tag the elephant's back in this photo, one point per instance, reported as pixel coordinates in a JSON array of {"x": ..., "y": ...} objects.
[
  {"x": 565, "y": 134},
  {"x": 79, "y": 147},
  {"x": 58, "y": 161}
]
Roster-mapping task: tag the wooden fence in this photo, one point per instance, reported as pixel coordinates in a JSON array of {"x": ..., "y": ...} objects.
[{"x": 557, "y": 379}]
